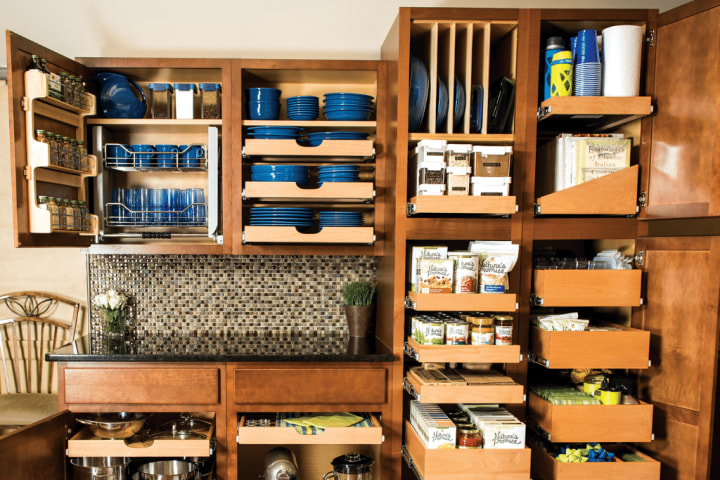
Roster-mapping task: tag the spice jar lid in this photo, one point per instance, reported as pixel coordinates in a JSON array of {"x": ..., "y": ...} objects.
[
  {"x": 159, "y": 87},
  {"x": 209, "y": 87}
]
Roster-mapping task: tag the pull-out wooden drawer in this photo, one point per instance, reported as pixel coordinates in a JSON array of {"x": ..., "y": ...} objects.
[
  {"x": 141, "y": 385},
  {"x": 587, "y": 288},
  {"x": 361, "y": 435},
  {"x": 623, "y": 348},
  {"x": 285, "y": 385},
  {"x": 154, "y": 444},
  {"x": 466, "y": 464},
  {"x": 545, "y": 467},
  {"x": 591, "y": 423},
  {"x": 460, "y": 392}
]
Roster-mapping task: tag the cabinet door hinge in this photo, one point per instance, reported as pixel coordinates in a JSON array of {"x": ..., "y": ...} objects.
[
  {"x": 27, "y": 171},
  {"x": 639, "y": 258},
  {"x": 642, "y": 199},
  {"x": 650, "y": 38},
  {"x": 25, "y": 104}
]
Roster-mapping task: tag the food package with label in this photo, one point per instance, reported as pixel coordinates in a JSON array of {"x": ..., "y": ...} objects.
[
  {"x": 466, "y": 271},
  {"x": 427, "y": 164},
  {"x": 496, "y": 260},
  {"x": 430, "y": 151},
  {"x": 491, "y": 161},
  {"x": 509, "y": 433},
  {"x": 416, "y": 253},
  {"x": 435, "y": 275},
  {"x": 432, "y": 425}
]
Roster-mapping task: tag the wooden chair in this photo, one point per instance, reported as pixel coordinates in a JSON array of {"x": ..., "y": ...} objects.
[{"x": 28, "y": 383}]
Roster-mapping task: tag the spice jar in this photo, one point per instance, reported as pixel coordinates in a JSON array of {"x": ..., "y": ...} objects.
[
  {"x": 503, "y": 330},
  {"x": 160, "y": 100},
  {"x": 468, "y": 437},
  {"x": 209, "y": 100}
]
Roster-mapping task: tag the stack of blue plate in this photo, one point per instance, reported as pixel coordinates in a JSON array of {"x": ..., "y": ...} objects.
[
  {"x": 338, "y": 173},
  {"x": 348, "y": 106},
  {"x": 270, "y": 216},
  {"x": 459, "y": 104},
  {"x": 315, "y": 138},
  {"x": 443, "y": 100},
  {"x": 304, "y": 107},
  {"x": 279, "y": 173},
  {"x": 340, "y": 219},
  {"x": 419, "y": 91},
  {"x": 275, "y": 133}
]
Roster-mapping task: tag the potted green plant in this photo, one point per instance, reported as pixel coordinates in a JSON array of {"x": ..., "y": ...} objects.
[{"x": 359, "y": 300}]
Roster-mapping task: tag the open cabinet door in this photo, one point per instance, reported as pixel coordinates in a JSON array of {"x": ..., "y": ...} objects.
[
  {"x": 36, "y": 451},
  {"x": 682, "y": 277},
  {"x": 50, "y": 118},
  {"x": 685, "y": 156}
]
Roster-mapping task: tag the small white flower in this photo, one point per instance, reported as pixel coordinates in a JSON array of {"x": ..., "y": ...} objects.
[{"x": 111, "y": 300}]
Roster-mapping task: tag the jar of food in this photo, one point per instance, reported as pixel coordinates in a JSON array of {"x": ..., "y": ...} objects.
[
  {"x": 83, "y": 212},
  {"x": 54, "y": 148},
  {"x": 209, "y": 100},
  {"x": 41, "y": 137},
  {"x": 62, "y": 213},
  {"x": 65, "y": 157},
  {"x": 469, "y": 437},
  {"x": 456, "y": 332},
  {"x": 83, "y": 162},
  {"x": 160, "y": 100},
  {"x": 54, "y": 210},
  {"x": 503, "y": 330}
]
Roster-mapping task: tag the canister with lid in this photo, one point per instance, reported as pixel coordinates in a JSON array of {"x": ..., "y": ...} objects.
[
  {"x": 210, "y": 100},
  {"x": 184, "y": 100},
  {"x": 161, "y": 100}
]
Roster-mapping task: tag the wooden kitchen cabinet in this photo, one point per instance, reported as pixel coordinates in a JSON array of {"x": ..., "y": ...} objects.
[{"x": 32, "y": 108}]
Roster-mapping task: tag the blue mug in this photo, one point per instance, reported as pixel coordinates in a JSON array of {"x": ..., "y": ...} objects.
[
  {"x": 167, "y": 156},
  {"x": 117, "y": 155},
  {"x": 192, "y": 156},
  {"x": 144, "y": 155}
]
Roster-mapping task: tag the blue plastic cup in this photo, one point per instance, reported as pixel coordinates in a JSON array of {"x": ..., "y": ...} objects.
[
  {"x": 192, "y": 156},
  {"x": 158, "y": 206},
  {"x": 140, "y": 206},
  {"x": 167, "y": 156},
  {"x": 176, "y": 206},
  {"x": 117, "y": 155},
  {"x": 263, "y": 110},
  {"x": 144, "y": 155},
  {"x": 195, "y": 211},
  {"x": 587, "y": 47}
]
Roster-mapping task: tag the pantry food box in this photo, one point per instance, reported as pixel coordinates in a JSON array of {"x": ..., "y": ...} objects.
[
  {"x": 419, "y": 252},
  {"x": 432, "y": 425},
  {"x": 435, "y": 275}
]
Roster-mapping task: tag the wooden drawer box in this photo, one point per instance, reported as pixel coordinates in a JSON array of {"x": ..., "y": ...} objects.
[
  {"x": 591, "y": 423},
  {"x": 545, "y": 467},
  {"x": 459, "y": 302},
  {"x": 464, "y": 393},
  {"x": 465, "y": 464},
  {"x": 463, "y": 353},
  {"x": 629, "y": 348},
  {"x": 289, "y": 436},
  {"x": 588, "y": 288},
  {"x": 85, "y": 444},
  {"x": 291, "y": 386},
  {"x": 135, "y": 386}
]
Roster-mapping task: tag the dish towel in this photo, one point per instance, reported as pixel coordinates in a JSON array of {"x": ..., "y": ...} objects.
[{"x": 315, "y": 423}]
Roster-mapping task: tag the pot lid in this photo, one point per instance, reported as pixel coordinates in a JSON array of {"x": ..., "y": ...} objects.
[{"x": 352, "y": 463}]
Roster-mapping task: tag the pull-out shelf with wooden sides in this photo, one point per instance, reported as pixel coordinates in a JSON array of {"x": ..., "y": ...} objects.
[
  {"x": 587, "y": 288},
  {"x": 370, "y": 434},
  {"x": 462, "y": 353},
  {"x": 463, "y": 205},
  {"x": 459, "y": 302},
  {"x": 464, "y": 464},
  {"x": 475, "y": 387}
]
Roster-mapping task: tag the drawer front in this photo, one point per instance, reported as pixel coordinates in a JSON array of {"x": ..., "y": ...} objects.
[
  {"x": 309, "y": 385},
  {"x": 168, "y": 386}
]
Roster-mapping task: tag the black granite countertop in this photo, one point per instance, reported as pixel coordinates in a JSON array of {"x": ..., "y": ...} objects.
[{"x": 222, "y": 348}]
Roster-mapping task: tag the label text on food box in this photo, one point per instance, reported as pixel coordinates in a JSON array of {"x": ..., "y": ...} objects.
[{"x": 503, "y": 438}]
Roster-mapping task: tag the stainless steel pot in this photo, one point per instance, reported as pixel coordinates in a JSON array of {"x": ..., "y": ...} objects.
[
  {"x": 168, "y": 470},
  {"x": 351, "y": 466},
  {"x": 100, "y": 468},
  {"x": 115, "y": 425}
]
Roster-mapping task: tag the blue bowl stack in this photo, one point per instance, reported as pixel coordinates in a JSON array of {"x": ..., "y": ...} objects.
[
  {"x": 347, "y": 106},
  {"x": 304, "y": 107},
  {"x": 263, "y": 103}
]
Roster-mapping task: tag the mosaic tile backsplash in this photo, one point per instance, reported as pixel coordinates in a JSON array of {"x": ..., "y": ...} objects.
[{"x": 229, "y": 295}]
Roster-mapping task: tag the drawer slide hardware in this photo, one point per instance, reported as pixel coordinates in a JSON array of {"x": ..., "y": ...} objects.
[
  {"x": 410, "y": 352},
  {"x": 536, "y": 301},
  {"x": 410, "y": 462},
  {"x": 407, "y": 386}
]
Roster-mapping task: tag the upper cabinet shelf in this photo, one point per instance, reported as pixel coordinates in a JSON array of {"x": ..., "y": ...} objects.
[{"x": 590, "y": 113}]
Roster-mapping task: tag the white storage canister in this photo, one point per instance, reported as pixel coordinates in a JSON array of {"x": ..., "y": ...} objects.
[{"x": 184, "y": 100}]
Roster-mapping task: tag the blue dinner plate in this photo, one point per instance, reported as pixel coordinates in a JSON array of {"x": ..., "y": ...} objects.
[
  {"x": 348, "y": 116},
  {"x": 442, "y": 103},
  {"x": 419, "y": 92}
]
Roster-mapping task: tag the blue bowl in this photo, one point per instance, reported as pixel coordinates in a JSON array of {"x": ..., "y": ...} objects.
[
  {"x": 263, "y": 94},
  {"x": 263, "y": 110}
]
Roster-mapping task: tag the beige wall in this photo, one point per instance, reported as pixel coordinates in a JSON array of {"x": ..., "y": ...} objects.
[{"x": 57, "y": 270}]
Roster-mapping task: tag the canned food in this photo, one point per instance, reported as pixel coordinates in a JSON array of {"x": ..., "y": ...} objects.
[
  {"x": 456, "y": 333},
  {"x": 503, "y": 330},
  {"x": 433, "y": 332}
]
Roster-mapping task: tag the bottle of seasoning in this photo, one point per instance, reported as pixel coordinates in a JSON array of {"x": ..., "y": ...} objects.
[
  {"x": 503, "y": 330},
  {"x": 66, "y": 88},
  {"x": 67, "y": 153},
  {"x": 75, "y": 154},
  {"x": 42, "y": 202},
  {"x": 41, "y": 136},
  {"x": 52, "y": 141},
  {"x": 83, "y": 212},
  {"x": 64, "y": 213},
  {"x": 83, "y": 163},
  {"x": 468, "y": 437},
  {"x": 54, "y": 209},
  {"x": 76, "y": 221}
]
